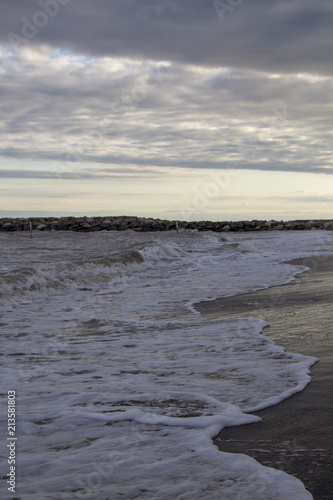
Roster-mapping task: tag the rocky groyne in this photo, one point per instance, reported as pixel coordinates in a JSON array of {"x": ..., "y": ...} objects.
[{"x": 142, "y": 224}]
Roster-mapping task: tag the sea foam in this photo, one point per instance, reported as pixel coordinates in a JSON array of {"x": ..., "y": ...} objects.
[{"x": 121, "y": 387}]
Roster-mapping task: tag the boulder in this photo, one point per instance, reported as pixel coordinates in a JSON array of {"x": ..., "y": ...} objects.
[
  {"x": 105, "y": 224},
  {"x": 139, "y": 224}
]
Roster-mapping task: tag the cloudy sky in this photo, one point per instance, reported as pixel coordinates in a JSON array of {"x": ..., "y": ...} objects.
[{"x": 184, "y": 109}]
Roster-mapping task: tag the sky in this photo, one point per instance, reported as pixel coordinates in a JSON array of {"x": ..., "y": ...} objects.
[{"x": 184, "y": 109}]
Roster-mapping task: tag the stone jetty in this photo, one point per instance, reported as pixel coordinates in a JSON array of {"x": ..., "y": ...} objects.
[{"x": 143, "y": 224}]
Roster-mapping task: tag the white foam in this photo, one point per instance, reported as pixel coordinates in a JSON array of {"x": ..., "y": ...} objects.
[{"x": 120, "y": 385}]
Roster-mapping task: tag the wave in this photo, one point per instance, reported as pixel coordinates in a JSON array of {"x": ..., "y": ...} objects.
[
  {"x": 28, "y": 283},
  {"x": 79, "y": 269}
]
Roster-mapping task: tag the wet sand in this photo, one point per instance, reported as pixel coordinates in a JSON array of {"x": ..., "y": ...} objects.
[{"x": 297, "y": 434}]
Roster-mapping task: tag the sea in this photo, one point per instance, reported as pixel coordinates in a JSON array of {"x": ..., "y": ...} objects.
[{"x": 120, "y": 384}]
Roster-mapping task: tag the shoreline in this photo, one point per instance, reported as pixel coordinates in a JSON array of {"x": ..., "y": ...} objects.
[{"x": 295, "y": 435}]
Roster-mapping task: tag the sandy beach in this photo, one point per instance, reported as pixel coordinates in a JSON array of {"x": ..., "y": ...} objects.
[{"x": 295, "y": 435}]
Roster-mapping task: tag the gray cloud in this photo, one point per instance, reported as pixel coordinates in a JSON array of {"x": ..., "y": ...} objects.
[
  {"x": 188, "y": 118},
  {"x": 59, "y": 172},
  {"x": 279, "y": 35},
  {"x": 187, "y": 89}
]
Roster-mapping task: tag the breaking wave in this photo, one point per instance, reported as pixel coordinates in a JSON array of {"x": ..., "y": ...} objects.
[{"x": 27, "y": 283}]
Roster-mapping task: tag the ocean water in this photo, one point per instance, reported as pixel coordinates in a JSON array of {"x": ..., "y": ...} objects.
[{"x": 120, "y": 383}]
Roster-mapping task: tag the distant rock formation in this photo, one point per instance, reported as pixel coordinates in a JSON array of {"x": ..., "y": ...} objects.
[{"x": 141, "y": 224}]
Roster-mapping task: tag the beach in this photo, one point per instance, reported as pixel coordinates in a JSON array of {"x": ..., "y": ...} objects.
[
  {"x": 121, "y": 385},
  {"x": 295, "y": 435}
]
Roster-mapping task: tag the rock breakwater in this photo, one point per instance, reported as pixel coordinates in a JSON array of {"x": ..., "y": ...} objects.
[{"x": 141, "y": 224}]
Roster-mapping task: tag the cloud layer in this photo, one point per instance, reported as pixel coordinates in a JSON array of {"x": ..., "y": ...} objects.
[
  {"x": 70, "y": 109},
  {"x": 142, "y": 88},
  {"x": 276, "y": 36}
]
